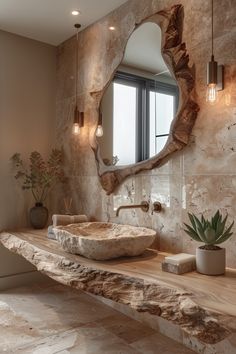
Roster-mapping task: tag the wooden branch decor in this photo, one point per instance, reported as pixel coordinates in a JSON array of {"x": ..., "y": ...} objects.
[{"x": 177, "y": 60}]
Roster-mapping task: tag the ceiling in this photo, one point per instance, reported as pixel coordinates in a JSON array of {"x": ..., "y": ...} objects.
[
  {"x": 143, "y": 50},
  {"x": 50, "y": 21}
]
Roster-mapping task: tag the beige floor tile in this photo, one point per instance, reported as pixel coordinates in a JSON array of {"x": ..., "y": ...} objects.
[
  {"x": 159, "y": 344},
  {"x": 27, "y": 314},
  {"x": 105, "y": 344},
  {"x": 127, "y": 329},
  {"x": 50, "y": 345},
  {"x": 50, "y": 319},
  {"x": 89, "y": 339},
  {"x": 14, "y": 329}
]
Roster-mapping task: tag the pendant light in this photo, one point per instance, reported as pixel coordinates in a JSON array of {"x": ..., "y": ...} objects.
[
  {"x": 214, "y": 71},
  {"x": 99, "y": 130},
  {"x": 78, "y": 116}
]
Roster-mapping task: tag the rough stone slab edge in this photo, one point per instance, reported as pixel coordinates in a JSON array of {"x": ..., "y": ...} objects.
[
  {"x": 172, "y": 330},
  {"x": 157, "y": 298}
]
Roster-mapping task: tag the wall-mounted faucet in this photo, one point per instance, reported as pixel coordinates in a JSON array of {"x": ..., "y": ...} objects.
[{"x": 144, "y": 206}]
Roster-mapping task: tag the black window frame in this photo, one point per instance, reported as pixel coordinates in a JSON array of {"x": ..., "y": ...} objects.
[{"x": 144, "y": 87}]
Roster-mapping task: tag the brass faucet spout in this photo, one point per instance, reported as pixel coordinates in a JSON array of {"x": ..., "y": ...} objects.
[{"x": 144, "y": 206}]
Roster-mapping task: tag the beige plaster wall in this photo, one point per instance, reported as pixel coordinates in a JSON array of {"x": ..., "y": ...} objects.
[
  {"x": 201, "y": 178},
  {"x": 27, "y": 123}
]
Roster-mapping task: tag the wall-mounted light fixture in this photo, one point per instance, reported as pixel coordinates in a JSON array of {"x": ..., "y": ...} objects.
[
  {"x": 99, "y": 130},
  {"x": 78, "y": 116},
  {"x": 78, "y": 121},
  {"x": 215, "y": 72}
]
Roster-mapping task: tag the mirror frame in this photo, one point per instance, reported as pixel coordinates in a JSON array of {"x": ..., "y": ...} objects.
[{"x": 177, "y": 60}]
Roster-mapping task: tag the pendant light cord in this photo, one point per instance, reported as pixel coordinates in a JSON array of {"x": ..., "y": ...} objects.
[
  {"x": 212, "y": 31},
  {"x": 77, "y": 26},
  {"x": 155, "y": 116},
  {"x": 76, "y": 67}
]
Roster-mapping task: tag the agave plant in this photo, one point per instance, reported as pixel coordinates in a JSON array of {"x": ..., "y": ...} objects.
[{"x": 211, "y": 232}]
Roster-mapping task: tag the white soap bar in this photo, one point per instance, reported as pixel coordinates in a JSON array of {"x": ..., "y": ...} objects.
[{"x": 180, "y": 258}]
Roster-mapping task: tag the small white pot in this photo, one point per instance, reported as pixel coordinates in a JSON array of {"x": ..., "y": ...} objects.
[{"x": 210, "y": 262}]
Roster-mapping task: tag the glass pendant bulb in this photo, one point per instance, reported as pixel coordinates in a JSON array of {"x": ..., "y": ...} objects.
[
  {"x": 99, "y": 131},
  {"x": 76, "y": 129},
  {"x": 211, "y": 94}
]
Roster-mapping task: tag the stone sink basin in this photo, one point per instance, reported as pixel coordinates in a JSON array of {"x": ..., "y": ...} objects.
[{"x": 101, "y": 241}]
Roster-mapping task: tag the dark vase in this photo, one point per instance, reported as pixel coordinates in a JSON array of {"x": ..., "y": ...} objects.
[{"x": 38, "y": 216}]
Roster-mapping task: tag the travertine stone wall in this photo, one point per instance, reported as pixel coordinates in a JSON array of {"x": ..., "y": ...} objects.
[{"x": 201, "y": 178}]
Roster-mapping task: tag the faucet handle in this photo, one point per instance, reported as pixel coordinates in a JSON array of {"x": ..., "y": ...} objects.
[
  {"x": 144, "y": 206},
  {"x": 157, "y": 208}
]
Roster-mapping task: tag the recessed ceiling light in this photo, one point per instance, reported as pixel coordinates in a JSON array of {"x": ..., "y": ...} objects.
[
  {"x": 112, "y": 28},
  {"x": 75, "y": 12}
]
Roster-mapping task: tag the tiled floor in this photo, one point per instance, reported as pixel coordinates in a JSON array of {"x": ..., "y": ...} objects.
[{"x": 49, "y": 319}]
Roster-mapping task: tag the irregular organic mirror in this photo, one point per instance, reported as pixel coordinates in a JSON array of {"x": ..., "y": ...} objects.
[
  {"x": 147, "y": 111},
  {"x": 140, "y": 103}
]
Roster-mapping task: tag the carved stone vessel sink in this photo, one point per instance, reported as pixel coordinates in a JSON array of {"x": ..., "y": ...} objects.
[{"x": 101, "y": 241}]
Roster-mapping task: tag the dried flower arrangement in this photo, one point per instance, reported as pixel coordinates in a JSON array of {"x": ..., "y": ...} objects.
[{"x": 41, "y": 176}]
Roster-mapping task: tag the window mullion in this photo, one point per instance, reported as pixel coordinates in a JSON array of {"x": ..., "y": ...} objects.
[
  {"x": 146, "y": 120},
  {"x": 139, "y": 155}
]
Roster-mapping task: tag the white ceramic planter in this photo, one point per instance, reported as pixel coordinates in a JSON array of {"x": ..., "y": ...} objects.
[{"x": 210, "y": 262}]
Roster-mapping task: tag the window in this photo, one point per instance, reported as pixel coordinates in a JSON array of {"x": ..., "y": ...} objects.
[
  {"x": 162, "y": 110},
  {"x": 124, "y": 122},
  {"x": 143, "y": 110}
]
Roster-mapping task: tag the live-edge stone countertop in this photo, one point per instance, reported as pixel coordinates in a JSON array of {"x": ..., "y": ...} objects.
[{"x": 204, "y": 307}]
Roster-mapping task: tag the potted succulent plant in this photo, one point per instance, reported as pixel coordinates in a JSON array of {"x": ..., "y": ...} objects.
[
  {"x": 210, "y": 258},
  {"x": 40, "y": 177}
]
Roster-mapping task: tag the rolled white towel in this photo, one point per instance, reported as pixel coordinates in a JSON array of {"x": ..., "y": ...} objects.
[
  {"x": 68, "y": 219},
  {"x": 51, "y": 234}
]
